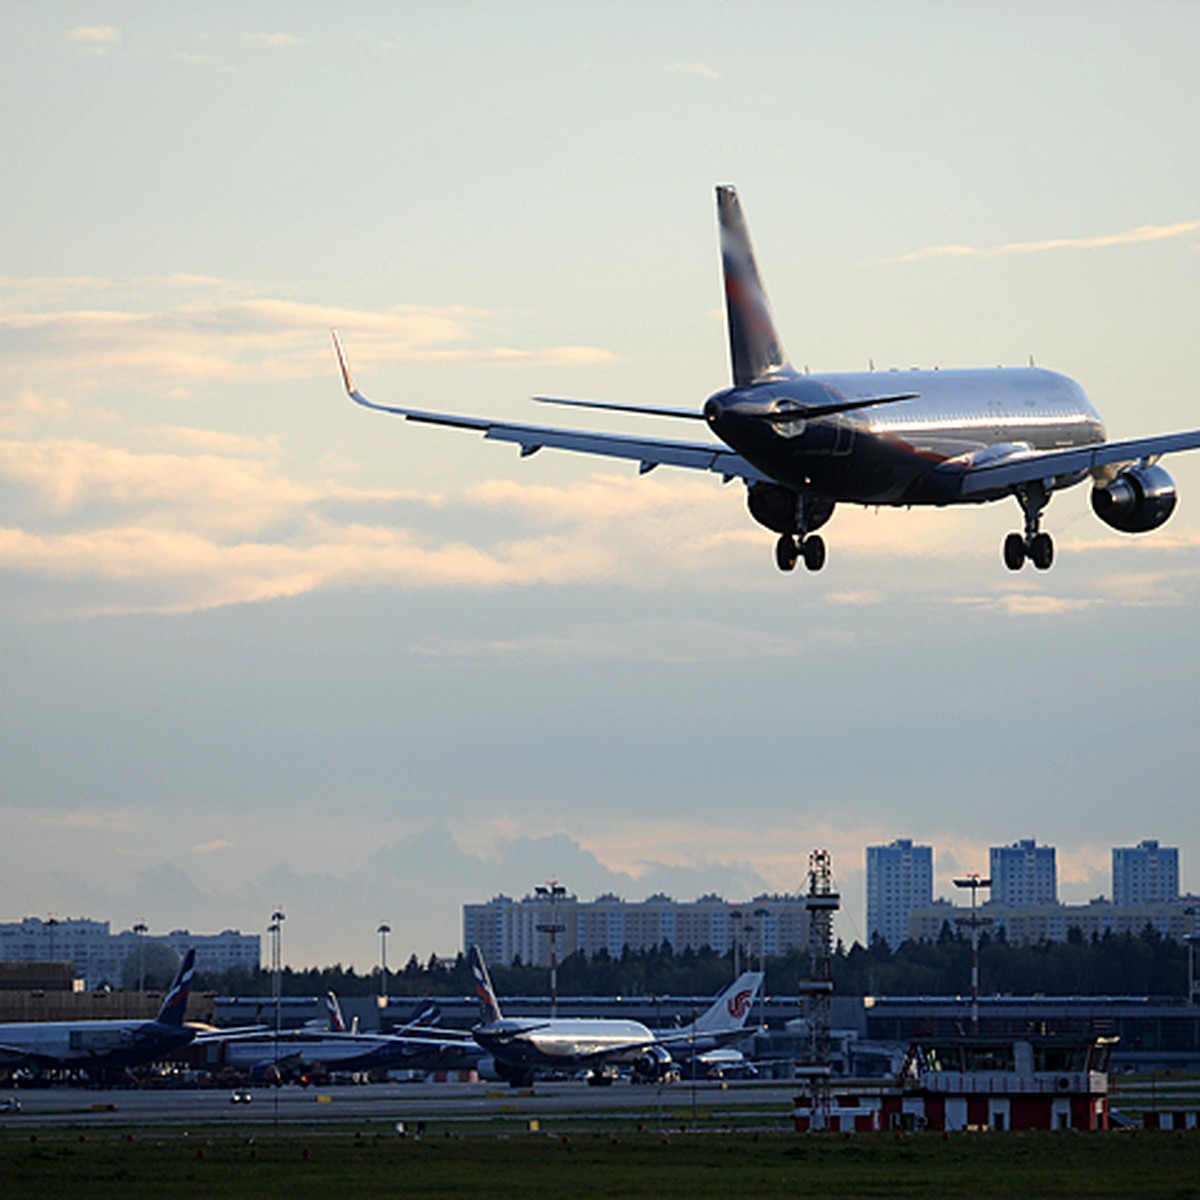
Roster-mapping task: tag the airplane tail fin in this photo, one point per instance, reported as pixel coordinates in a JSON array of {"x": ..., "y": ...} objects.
[
  {"x": 175, "y": 1004},
  {"x": 489, "y": 1006},
  {"x": 731, "y": 1008},
  {"x": 424, "y": 1014},
  {"x": 754, "y": 347},
  {"x": 337, "y": 1023}
]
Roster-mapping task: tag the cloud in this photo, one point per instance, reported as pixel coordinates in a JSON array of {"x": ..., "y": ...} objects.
[
  {"x": 698, "y": 69},
  {"x": 213, "y": 847},
  {"x": 94, "y": 39},
  {"x": 650, "y": 641},
  {"x": 1129, "y": 237},
  {"x": 26, "y": 408},
  {"x": 273, "y": 41},
  {"x": 219, "y": 338}
]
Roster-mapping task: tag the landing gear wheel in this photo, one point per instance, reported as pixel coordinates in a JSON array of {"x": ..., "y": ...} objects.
[
  {"x": 786, "y": 552},
  {"x": 813, "y": 549},
  {"x": 1041, "y": 551},
  {"x": 1014, "y": 551}
]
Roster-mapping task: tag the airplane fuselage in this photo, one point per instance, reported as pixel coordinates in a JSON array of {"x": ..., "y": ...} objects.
[
  {"x": 565, "y": 1042},
  {"x": 89, "y": 1045},
  {"x": 911, "y": 451},
  {"x": 338, "y": 1051}
]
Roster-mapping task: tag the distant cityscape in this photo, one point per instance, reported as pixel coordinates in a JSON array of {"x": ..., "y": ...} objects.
[
  {"x": 1017, "y": 900},
  {"x": 103, "y": 959}
]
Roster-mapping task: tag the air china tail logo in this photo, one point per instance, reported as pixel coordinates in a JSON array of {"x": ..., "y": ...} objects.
[{"x": 738, "y": 1006}]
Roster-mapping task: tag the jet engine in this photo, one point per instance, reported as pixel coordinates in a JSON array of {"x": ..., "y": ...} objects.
[
  {"x": 496, "y": 1070},
  {"x": 1138, "y": 500},
  {"x": 653, "y": 1063},
  {"x": 773, "y": 505}
]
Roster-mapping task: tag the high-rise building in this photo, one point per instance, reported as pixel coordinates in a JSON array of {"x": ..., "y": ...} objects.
[
  {"x": 1145, "y": 874},
  {"x": 1023, "y": 874},
  {"x": 506, "y": 929},
  {"x": 899, "y": 879},
  {"x": 101, "y": 958}
]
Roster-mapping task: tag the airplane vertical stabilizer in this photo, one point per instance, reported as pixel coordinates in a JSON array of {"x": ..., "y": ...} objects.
[
  {"x": 175, "y": 1004},
  {"x": 489, "y": 1006},
  {"x": 731, "y": 1008},
  {"x": 754, "y": 347},
  {"x": 337, "y": 1023}
]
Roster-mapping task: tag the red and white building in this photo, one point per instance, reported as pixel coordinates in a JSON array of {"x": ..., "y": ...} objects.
[{"x": 978, "y": 1083}]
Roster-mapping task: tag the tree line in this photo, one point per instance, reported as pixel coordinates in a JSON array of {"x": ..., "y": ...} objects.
[{"x": 1147, "y": 964}]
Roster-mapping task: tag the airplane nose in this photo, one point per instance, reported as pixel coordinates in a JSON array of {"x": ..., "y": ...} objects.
[{"x": 714, "y": 410}]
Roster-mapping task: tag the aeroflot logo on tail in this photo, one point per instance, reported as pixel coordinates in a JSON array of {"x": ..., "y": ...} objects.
[{"x": 739, "y": 1005}]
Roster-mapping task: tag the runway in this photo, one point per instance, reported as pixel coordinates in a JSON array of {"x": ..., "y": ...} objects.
[{"x": 440, "y": 1106}]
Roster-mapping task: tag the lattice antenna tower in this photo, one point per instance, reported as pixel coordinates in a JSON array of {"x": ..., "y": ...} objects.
[{"x": 817, "y": 990}]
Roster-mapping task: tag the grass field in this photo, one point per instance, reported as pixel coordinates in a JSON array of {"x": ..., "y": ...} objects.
[{"x": 112, "y": 1165}]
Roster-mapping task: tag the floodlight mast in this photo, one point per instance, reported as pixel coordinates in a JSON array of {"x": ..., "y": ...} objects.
[
  {"x": 974, "y": 882},
  {"x": 383, "y": 931},
  {"x": 553, "y": 891}
]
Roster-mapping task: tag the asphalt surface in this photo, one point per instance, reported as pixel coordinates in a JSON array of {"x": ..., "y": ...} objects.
[{"x": 442, "y": 1104}]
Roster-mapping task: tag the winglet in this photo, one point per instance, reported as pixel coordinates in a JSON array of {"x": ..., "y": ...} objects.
[{"x": 347, "y": 378}]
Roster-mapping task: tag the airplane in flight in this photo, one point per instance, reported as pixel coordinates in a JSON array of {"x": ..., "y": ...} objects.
[
  {"x": 804, "y": 443},
  {"x": 523, "y": 1046},
  {"x": 102, "y": 1046}
]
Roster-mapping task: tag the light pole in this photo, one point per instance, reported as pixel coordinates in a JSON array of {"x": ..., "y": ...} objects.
[
  {"x": 140, "y": 930},
  {"x": 553, "y": 891},
  {"x": 275, "y": 929},
  {"x": 974, "y": 882},
  {"x": 383, "y": 931},
  {"x": 760, "y": 916},
  {"x": 736, "y": 918}
]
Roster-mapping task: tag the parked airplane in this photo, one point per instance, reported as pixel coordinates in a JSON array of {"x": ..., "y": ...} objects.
[
  {"x": 101, "y": 1046},
  {"x": 414, "y": 1046},
  {"x": 803, "y": 444},
  {"x": 522, "y": 1046}
]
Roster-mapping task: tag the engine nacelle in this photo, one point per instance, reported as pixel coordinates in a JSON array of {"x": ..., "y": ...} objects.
[
  {"x": 653, "y": 1063},
  {"x": 1138, "y": 500},
  {"x": 773, "y": 505},
  {"x": 495, "y": 1070}
]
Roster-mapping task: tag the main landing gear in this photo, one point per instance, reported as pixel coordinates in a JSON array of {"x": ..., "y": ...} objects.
[
  {"x": 789, "y": 550},
  {"x": 801, "y": 544},
  {"x": 1034, "y": 545}
]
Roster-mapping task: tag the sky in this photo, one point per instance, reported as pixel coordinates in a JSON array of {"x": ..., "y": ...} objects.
[{"x": 262, "y": 650}]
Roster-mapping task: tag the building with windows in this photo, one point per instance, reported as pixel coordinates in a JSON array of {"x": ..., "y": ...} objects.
[
  {"x": 506, "y": 929},
  {"x": 1027, "y": 925},
  {"x": 1023, "y": 874},
  {"x": 899, "y": 880},
  {"x": 1145, "y": 874},
  {"x": 100, "y": 956}
]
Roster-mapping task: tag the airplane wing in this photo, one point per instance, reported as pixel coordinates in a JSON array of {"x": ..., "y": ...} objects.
[
  {"x": 1047, "y": 464},
  {"x": 648, "y": 453}
]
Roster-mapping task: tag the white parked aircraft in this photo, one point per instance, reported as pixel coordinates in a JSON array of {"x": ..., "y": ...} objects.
[
  {"x": 803, "y": 444},
  {"x": 102, "y": 1046},
  {"x": 521, "y": 1047}
]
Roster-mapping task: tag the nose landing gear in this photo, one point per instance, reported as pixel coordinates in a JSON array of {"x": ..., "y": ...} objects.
[{"x": 1034, "y": 545}]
